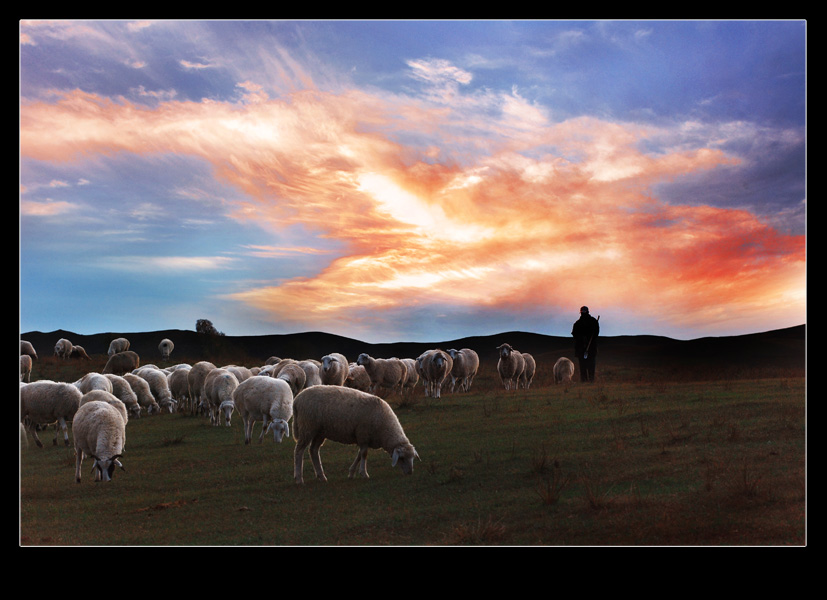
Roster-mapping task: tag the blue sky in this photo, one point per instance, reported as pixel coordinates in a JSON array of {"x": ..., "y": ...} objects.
[{"x": 408, "y": 180}]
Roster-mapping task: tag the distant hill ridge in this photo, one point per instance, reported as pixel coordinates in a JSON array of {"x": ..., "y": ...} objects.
[{"x": 780, "y": 347}]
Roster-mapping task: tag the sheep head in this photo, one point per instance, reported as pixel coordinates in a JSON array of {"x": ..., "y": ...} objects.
[
  {"x": 404, "y": 456},
  {"x": 104, "y": 468},
  {"x": 280, "y": 429}
]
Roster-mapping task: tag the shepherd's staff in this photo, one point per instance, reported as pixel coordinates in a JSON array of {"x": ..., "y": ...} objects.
[{"x": 586, "y": 353}]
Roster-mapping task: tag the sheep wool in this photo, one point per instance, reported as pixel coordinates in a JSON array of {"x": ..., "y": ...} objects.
[
  {"x": 347, "y": 416},
  {"x": 265, "y": 399},
  {"x": 25, "y": 367},
  {"x": 120, "y": 344},
  {"x": 510, "y": 366},
  {"x": 63, "y": 348},
  {"x": 466, "y": 364},
  {"x": 218, "y": 395},
  {"x": 141, "y": 388},
  {"x": 124, "y": 392},
  {"x": 44, "y": 402},
  {"x": 383, "y": 372},
  {"x": 165, "y": 348},
  {"x": 28, "y": 349},
  {"x": 122, "y": 362},
  {"x": 334, "y": 369},
  {"x": 357, "y": 378},
  {"x": 99, "y": 432},
  {"x": 563, "y": 370},
  {"x": 528, "y": 372}
]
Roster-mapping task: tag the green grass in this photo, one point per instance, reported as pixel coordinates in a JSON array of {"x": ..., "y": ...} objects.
[{"x": 610, "y": 463}]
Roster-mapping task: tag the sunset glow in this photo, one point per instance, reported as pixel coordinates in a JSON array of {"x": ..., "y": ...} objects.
[{"x": 271, "y": 187}]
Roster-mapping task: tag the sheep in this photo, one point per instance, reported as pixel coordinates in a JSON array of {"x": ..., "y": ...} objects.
[
  {"x": 165, "y": 348},
  {"x": 412, "y": 377},
  {"x": 218, "y": 395},
  {"x": 100, "y": 432},
  {"x": 466, "y": 364},
  {"x": 44, "y": 402},
  {"x": 357, "y": 378},
  {"x": 25, "y": 367},
  {"x": 510, "y": 366},
  {"x": 435, "y": 368},
  {"x": 195, "y": 379},
  {"x": 347, "y": 416},
  {"x": 265, "y": 399},
  {"x": 383, "y": 372},
  {"x": 334, "y": 369},
  {"x": 63, "y": 348},
  {"x": 27, "y": 349},
  {"x": 293, "y": 374},
  {"x": 141, "y": 388},
  {"x": 79, "y": 352},
  {"x": 563, "y": 370},
  {"x": 120, "y": 344},
  {"x": 528, "y": 372},
  {"x": 159, "y": 387},
  {"x": 122, "y": 362},
  {"x": 94, "y": 381},
  {"x": 241, "y": 373},
  {"x": 109, "y": 398},
  {"x": 312, "y": 371},
  {"x": 124, "y": 392},
  {"x": 178, "y": 382}
]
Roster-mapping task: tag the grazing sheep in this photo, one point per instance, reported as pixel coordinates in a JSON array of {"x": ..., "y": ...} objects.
[
  {"x": 435, "y": 368},
  {"x": 293, "y": 374},
  {"x": 99, "y": 430},
  {"x": 383, "y": 372},
  {"x": 122, "y": 362},
  {"x": 27, "y": 349},
  {"x": 195, "y": 378},
  {"x": 109, "y": 398},
  {"x": 412, "y": 377},
  {"x": 528, "y": 373},
  {"x": 25, "y": 367},
  {"x": 218, "y": 395},
  {"x": 44, "y": 402},
  {"x": 265, "y": 399},
  {"x": 179, "y": 387},
  {"x": 347, "y": 416},
  {"x": 312, "y": 371},
  {"x": 141, "y": 388},
  {"x": 124, "y": 392},
  {"x": 510, "y": 366},
  {"x": 165, "y": 348},
  {"x": 63, "y": 348},
  {"x": 357, "y": 378},
  {"x": 241, "y": 373},
  {"x": 334, "y": 369},
  {"x": 159, "y": 386},
  {"x": 120, "y": 344},
  {"x": 79, "y": 352},
  {"x": 94, "y": 381},
  {"x": 563, "y": 370},
  {"x": 466, "y": 364},
  {"x": 273, "y": 360}
]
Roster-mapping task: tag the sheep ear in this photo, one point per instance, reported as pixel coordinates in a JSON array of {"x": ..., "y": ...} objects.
[
  {"x": 395, "y": 457},
  {"x": 286, "y": 429},
  {"x": 416, "y": 454}
]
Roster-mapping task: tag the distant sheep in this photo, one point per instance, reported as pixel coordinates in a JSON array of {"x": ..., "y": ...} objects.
[
  {"x": 124, "y": 392},
  {"x": 383, "y": 372},
  {"x": 357, "y": 378},
  {"x": 218, "y": 395},
  {"x": 347, "y": 416},
  {"x": 79, "y": 352},
  {"x": 45, "y": 402},
  {"x": 265, "y": 399},
  {"x": 165, "y": 348},
  {"x": 528, "y": 372},
  {"x": 510, "y": 366},
  {"x": 63, "y": 348},
  {"x": 140, "y": 386},
  {"x": 25, "y": 367},
  {"x": 27, "y": 349},
  {"x": 563, "y": 370},
  {"x": 334, "y": 369},
  {"x": 122, "y": 362},
  {"x": 99, "y": 432},
  {"x": 120, "y": 344},
  {"x": 466, "y": 364}
]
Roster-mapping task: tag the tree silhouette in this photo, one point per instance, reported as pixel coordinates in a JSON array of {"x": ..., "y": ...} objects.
[{"x": 206, "y": 326}]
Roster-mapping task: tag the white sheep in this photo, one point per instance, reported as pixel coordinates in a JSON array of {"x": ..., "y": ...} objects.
[
  {"x": 165, "y": 348},
  {"x": 141, "y": 388},
  {"x": 124, "y": 392},
  {"x": 122, "y": 362},
  {"x": 357, "y": 378},
  {"x": 293, "y": 374},
  {"x": 435, "y": 367},
  {"x": 241, "y": 373},
  {"x": 465, "y": 367},
  {"x": 44, "y": 402},
  {"x": 25, "y": 367},
  {"x": 63, "y": 348},
  {"x": 159, "y": 386},
  {"x": 347, "y": 416},
  {"x": 218, "y": 395},
  {"x": 312, "y": 371},
  {"x": 195, "y": 378},
  {"x": 265, "y": 399},
  {"x": 563, "y": 370},
  {"x": 528, "y": 372},
  {"x": 28, "y": 349},
  {"x": 99, "y": 432},
  {"x": 412, "y": 377},
  {"x": 94, "y": 381},
  {"x": 510, "y": 366},
  {"x": 109, "y": 398},
  {"x": 383, "y": 372},
  {"x": 178, "y": 382},
  {"x": 120, "y": 344},
  {"x": 334, "y": 369}
]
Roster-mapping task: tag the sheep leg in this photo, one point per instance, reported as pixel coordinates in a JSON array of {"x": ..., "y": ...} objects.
[
  {"x": 360, "y": 463},
  {"x": 316, "y": 458},
  {"x": 298, "y": 460},
  {"x": 33, "y": 429},
  {"x": 62, "y": 423}
]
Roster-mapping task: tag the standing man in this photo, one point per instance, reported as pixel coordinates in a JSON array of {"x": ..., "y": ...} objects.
[{"x": 585, "y": 332}]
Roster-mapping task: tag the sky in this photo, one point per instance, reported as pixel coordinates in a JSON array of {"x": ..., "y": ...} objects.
[{"x": 412, "y": 180}]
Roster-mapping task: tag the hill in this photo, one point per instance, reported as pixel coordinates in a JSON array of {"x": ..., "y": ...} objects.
[{"x": 778, "y": 350}]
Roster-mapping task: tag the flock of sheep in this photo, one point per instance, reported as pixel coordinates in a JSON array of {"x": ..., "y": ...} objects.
[{"x": 330, "y": 398}]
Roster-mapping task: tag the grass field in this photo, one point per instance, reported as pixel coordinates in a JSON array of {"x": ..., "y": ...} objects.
[{"x": 653, "y": 461}]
